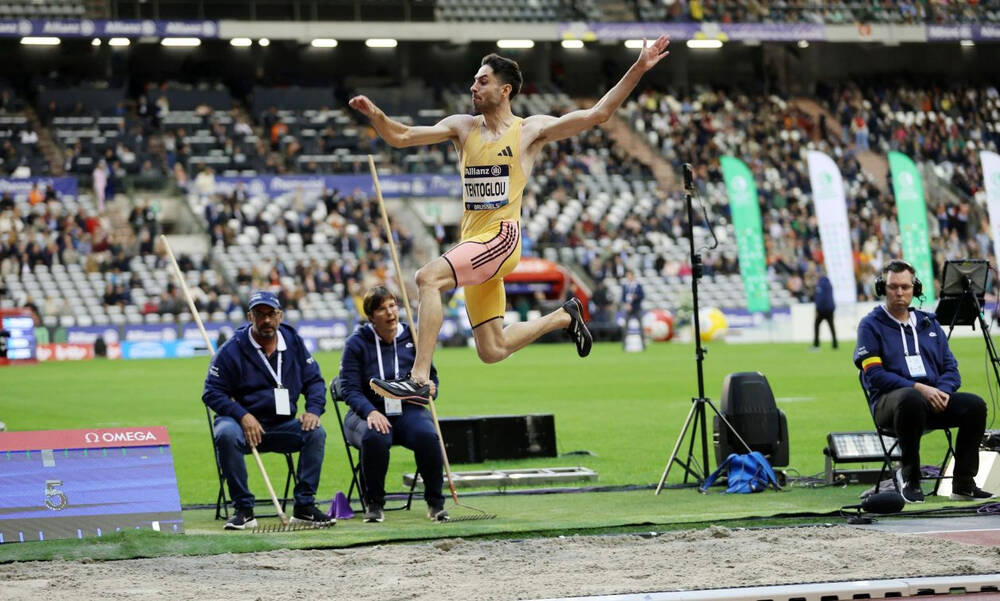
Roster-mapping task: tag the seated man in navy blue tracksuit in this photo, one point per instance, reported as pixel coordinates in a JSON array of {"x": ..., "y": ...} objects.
[
  {"x": 252, "y": 386},
  {"x": 912, "y": 380},
  {"x": 384, "y": 348}
]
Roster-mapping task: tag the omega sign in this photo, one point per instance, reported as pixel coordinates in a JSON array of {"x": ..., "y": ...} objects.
[{"x": 119, "y": 437}]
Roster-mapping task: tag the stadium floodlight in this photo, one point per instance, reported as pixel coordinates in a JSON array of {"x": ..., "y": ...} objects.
[
  {"x": 264, "y": 42},
  {"x": 240, "y": 42},
  {"x": 380, "y": 43},
  {"x": 180, "y": 42},
  {"x": 803, "y": 43},
  {"x": 119, "y": 42},
  {"x": 572, "y": 44},
  {"x": 95, "y": 42},
  {"x": 633, "y": 44},
  {"x": 323, "y": 43},
  {"x": 40, "y": 41},
  {"x": 967, "y": 43},
  {"x": 515, "y": 44},
  {"x": 704, "y": 44}
]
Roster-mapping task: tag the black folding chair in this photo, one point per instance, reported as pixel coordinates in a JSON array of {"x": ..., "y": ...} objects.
[
  {"x": 357, "y": 476},
  {"x": 887, "y": 451},
  {"x": 222, "y": 501}
]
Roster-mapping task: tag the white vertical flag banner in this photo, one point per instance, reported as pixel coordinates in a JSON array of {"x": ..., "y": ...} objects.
[
  {"x": 991, "y": 177},
  {"x": 834, "y": 231}
]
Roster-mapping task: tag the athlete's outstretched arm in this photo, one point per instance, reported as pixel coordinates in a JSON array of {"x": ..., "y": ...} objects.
[
  {"x": 401, "y": 135},
  {"x": 551, "y": 129}
]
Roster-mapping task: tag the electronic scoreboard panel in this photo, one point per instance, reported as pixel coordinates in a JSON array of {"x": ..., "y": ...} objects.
[
  {"x": 17, "y": 329},
  {"x": 77, "y": 483}
]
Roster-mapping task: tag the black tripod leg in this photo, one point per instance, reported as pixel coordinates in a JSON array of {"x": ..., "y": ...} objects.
[{"x": 677, "y": 446}]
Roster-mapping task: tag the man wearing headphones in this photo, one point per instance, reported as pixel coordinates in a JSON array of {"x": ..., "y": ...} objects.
[{"x": 912, "y": 378}]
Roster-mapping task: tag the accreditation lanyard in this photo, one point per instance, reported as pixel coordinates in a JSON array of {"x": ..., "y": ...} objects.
[
  {"x": 392, "y": 406},
  {"x": 914, "y": 362},
  {"x": 282, "y": 403}
]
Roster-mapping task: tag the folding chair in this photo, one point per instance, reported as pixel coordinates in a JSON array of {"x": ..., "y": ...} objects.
[
  {"x": 887, "y": 452},
  {"x": 357, "y": 477},
  {"x": 221, "y": 501}
]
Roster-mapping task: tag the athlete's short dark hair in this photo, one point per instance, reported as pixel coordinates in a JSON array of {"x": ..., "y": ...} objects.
[
  {"x": 374, "y": 299},
  {"x": 506, "y": 70}
]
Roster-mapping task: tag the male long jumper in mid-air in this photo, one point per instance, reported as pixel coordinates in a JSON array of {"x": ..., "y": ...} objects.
[{"x": 497, "y": 152}]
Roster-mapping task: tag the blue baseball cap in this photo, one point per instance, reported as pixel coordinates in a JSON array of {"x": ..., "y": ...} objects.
[{"x": 263, "y": 297}]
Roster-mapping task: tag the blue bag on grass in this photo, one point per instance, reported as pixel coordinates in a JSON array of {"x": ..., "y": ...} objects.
[{"x": 746, "y": 473}]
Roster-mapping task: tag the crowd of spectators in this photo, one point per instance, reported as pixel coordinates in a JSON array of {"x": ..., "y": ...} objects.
[
  {"x": 350, "y": 255},
  {"x": 772, "y": 135},
  {"x": 817, "y": 11},
  {"x": 942, "y": 126}
]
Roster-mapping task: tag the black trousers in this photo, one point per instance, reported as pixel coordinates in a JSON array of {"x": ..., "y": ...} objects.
[
  {"x": 822, "y": 316},
  {"x": 907, "y": 413},
  {"x": 412, "y": 429}
]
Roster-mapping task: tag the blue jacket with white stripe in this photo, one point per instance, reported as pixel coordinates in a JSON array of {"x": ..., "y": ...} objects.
[
  {"x": 880, "y": 354},
  {"x": 238, "y": 382},
  {"x": 359, "y": 364}
]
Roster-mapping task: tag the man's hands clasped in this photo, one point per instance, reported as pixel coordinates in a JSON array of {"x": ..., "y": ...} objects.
[{"x": 937, "y": 399}]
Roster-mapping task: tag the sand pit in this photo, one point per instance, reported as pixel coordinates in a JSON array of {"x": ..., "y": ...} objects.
[{"x": 513, "y": 569}]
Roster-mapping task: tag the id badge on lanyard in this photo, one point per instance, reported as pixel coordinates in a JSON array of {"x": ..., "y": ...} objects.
[
  {"x": 392, "y": 406},
  {"x": 914, "y": 362},
  {"x": 282, "y": 402}
]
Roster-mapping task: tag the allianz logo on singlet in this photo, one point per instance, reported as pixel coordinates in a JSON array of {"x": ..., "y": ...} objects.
[{"x": 485, "y": 186}]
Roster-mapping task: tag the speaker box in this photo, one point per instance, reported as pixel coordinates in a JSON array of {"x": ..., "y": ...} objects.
[
  {"x": 987, "y": 479},
  {"x": 748, "y": 404},
  {"x": 487, "y": 437}
]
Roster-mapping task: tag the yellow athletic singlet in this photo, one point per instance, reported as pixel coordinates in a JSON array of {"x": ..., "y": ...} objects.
[{"x": 492, "y": 179}]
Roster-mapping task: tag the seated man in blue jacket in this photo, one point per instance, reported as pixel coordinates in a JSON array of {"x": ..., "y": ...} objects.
[
  {"x": 912, "y": 380},
  {"x": 384, "y": 348},
  {"x": 253, "y": 385}
]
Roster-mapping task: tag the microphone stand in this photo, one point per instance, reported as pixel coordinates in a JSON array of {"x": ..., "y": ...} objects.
[{"x": 697, "y": 412}]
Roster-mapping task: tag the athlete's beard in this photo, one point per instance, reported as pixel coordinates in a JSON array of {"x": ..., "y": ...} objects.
[{"x": 483, "y": 105}]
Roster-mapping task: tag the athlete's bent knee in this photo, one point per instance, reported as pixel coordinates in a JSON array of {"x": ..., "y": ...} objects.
[
  {"x": 429, "y": 277},
  {"x": 490, "y": 354}
]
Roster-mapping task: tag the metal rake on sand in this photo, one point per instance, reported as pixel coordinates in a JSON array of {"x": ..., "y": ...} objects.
[
  {"x": 285, "y": 525},
  {"x": 464, "y": 516}
]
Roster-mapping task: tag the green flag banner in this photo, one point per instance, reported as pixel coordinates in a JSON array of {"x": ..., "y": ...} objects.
[
  {"x": 749, "y": 237},
  {"x": 908, "y": 188}
]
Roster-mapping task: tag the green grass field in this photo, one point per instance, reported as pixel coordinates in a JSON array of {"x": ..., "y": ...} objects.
[{"x": 627, "y": 409}]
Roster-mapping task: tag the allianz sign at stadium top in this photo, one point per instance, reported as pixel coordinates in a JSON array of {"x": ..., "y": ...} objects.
[
  {"x": 107, "y": 28},
  {"x": 421, "y": 185}
]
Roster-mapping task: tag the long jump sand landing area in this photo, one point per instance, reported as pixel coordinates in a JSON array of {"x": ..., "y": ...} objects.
[{"x": 575, "y": 566}]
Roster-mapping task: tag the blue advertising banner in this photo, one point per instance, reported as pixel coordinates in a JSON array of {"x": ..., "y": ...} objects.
[
  {"x": 324, "y": 334},
  {"x": 151, "y": 333},
  {"x": 88, "y": 334},
  {"x": 99, "y": 28},
  {"x": 393, "y": 186},
  {"x": 965, "y": 31},
  {"x": 168, "y": 349},
  {"x": 190, "y": 331},
  {"x": 21, "y": 187},
  {"x": 742, "y": 318}
]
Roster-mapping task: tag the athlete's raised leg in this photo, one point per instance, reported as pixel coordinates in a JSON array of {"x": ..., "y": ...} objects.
[{"x": 495, "y": 343}]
